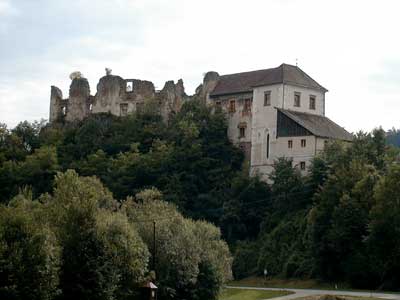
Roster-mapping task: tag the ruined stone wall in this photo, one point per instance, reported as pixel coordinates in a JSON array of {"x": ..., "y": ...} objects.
[
  {"x": 78, "y": 101},
  {"x": 170, "y": 98},
  {"x": 115, "y": 95},
  {"x": 56, "y": 100},
  {"x": 210, "y": 81}
]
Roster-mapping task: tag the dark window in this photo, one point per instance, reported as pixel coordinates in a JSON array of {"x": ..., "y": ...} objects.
[
  {"x": 290, "y": 144},
  {"x": 129, "y": 86},
  {"x": 312, "y": 102},
  {"x": 218, "y": 103},
  {"x": 247, "y": 104},
  {"x": 123, "y": 109},
  {"x": 139, "y": 107},
  {"x": 232, "y": 106},
  {"x": 297, "y": 99},
  {"x": 268, "y": 146},
  {"x": 242, "y": 132},
  {"x": 267, "y": 98},
  {"x": 303, "y": 143},
  {"x": 302, "y": 165}
]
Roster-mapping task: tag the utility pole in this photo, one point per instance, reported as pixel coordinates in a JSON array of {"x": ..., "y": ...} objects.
[{"x": 154, "y": 247}]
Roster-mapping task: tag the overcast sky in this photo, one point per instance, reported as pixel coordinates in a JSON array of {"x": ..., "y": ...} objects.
[{"x": 350, "y": 47}]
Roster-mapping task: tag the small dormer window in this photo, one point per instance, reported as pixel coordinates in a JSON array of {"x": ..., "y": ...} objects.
[
  {"x": 297, "y": 96},
  {"x": 129, "y": 86}
]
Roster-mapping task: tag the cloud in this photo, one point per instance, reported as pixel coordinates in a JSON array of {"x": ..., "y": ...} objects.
[
  {"x": 42, "y": 41},
  {"x": 6, "y": 9}
]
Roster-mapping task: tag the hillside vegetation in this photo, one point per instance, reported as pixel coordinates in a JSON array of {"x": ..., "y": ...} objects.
[{"x": 93, "y": 184}]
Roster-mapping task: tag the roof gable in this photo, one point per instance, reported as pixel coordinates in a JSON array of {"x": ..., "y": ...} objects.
[{"x": 246, "y": 81}]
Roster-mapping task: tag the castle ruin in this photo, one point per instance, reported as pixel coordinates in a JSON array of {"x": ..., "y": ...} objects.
[{"x": 114, "y": 95}]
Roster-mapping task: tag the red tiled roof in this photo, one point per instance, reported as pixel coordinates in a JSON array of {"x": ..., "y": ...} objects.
[{"x": 246, "y": 81}]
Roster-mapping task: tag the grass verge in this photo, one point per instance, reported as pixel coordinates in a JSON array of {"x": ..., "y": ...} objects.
[
  {"x": 245, "y": 294},
  {"x": 288, "y": 283}
]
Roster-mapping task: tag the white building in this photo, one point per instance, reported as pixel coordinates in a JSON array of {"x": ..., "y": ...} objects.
[{"x": 278, "y": 112}]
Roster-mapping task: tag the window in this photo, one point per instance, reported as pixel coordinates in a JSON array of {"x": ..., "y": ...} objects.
[
  {"x": 290, "y": 144},
  {"x": 218, "y": 104},
  {"x": 129, "y": 86},
  {"x": 325, "y": 143},
  {"x": 312, "y": 102},
  {"x": 232, "y": 106},
  {"x": 242, "y": 132},
  {"x": 139, "y": 107},
  {"x": 303, "y": 143},
  {"x": 267, "y": 98},
  {"x": 123, "y": 109},
  {"x": 267, "y": 146},
  {"x": 64, "y": 110},
  {"x": 302, "y": 165},
  {"x": 247, "y": 105},
  {"x": 297, "y": 99},
  {"x": 90, "y": 107}
]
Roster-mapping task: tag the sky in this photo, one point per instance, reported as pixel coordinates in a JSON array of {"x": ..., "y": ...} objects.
[{"x": 351, "y": 47}]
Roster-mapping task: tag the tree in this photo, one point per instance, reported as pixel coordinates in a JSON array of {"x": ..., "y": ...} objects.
[
  {"x": 29, "y": 133},
  {"x": 29, "y": 253},
  {"x": 102, "y": 255},
  {"x": 244, "y": 208},
  {"x": 383, "y": 240},
  {"x": 183, "y": 247},
  {"x": 339, "y": 218},
  {"x": 37, "y": 170}
]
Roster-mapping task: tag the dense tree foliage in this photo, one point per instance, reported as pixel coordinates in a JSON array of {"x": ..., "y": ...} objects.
[
  {"x": 335, "y": 223},
  {"x": 79, "y": 243},
  {"x": 29, "y": 252},
  {"x": 393, "y": 137},
  {"x": 338, "y": 223},
  {"x": 190, "y": 255}
]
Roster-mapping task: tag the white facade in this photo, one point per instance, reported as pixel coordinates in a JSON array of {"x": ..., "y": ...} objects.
[
  {"x": 261, "y": 125},
  {"x": 290, "y": 122},
  {"x": 264, "y": 127}
]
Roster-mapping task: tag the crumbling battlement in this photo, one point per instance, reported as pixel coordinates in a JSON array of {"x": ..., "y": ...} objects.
[{"x": 114, "y": 95}]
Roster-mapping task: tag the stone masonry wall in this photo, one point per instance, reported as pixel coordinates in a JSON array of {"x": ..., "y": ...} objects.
[{"x": 114, "y": 95}]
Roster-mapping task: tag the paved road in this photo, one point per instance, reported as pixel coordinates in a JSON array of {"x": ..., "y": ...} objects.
[{"x": 309, "y": 292}]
